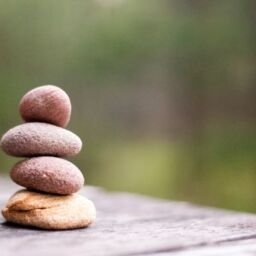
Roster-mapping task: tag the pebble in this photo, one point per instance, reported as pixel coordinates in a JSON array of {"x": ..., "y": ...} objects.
[
  {"x": 37, "y": 139},
  {"x": 50, "y": 212},
  {"x": 48, "y": 104},
  {"x": 48, "y": 174}
]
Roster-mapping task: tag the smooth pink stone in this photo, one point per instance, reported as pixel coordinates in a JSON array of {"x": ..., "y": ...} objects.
[
  {"x": 48, "y": 174},
  {"x": 48, "y": 103},
  {"x": 39, "y": 139}
]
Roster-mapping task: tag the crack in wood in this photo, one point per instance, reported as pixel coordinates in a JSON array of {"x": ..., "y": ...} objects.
[{"x": 192, "y": 246}]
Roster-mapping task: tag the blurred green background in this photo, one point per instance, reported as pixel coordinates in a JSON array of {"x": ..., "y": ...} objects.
[{"x": 163, "y": 92}]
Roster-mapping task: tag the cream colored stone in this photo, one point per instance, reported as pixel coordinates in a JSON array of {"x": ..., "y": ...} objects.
[{"x": 49, "y": 211}]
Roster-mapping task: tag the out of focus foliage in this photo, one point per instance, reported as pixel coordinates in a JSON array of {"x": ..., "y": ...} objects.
[{"x": 163, "y": 92}]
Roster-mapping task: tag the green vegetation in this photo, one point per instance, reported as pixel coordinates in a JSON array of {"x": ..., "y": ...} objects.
[{"x": 163, "y": 91}]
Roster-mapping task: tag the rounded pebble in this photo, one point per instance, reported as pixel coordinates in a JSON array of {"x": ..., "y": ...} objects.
[
  {"x": 38, "y": 139},
  {"x": 50, "y": 212},
  {"x": 48, "y": 104},
  {"x": 48, "y": 174}
]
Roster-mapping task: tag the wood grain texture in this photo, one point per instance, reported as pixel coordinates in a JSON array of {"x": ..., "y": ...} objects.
[{"x": 129, "y": 224}]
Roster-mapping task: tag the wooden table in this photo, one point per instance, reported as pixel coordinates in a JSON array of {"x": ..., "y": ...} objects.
[{"x": 130, "y": 224}]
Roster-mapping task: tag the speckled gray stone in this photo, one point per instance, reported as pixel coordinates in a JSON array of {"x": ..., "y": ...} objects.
[
  {"x": 38, "y": 139},
  {"x": 48, "y": 174},
  {"x": 48, "y": 103}
]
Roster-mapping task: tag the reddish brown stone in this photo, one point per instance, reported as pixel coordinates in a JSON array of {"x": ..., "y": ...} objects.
[
  {"x": 48, "y": 174},
  {"x": 48, "y": 103}
]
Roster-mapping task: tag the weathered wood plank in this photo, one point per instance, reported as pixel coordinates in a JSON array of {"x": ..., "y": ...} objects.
[
  {"x": 135, "y": 225},
  {"x": 244, "y": 247}
]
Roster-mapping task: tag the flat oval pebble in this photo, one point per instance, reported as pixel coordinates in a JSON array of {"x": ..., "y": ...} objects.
[
  {"x": 50, "y": 212},
  {"x": 48, "y": 174},
  {"x": 37, "y": 139},
  {"x": 48, "y": 103}
]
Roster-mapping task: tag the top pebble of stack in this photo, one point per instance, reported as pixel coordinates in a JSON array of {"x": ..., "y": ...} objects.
[{"x": 48, "y": 103}]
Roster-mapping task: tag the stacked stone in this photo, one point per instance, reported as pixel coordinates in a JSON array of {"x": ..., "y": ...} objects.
[{"x": 49, "y": 200}]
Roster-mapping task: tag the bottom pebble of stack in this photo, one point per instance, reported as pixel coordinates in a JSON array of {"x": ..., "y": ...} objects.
[{"x": 46, "y": 211}]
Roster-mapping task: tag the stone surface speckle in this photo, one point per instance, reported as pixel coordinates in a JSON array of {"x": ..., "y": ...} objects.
[
  {"x": 38, "y": 139},
  {"x": 48, "y": 104},
  {"x": 48, "y": 174}
]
